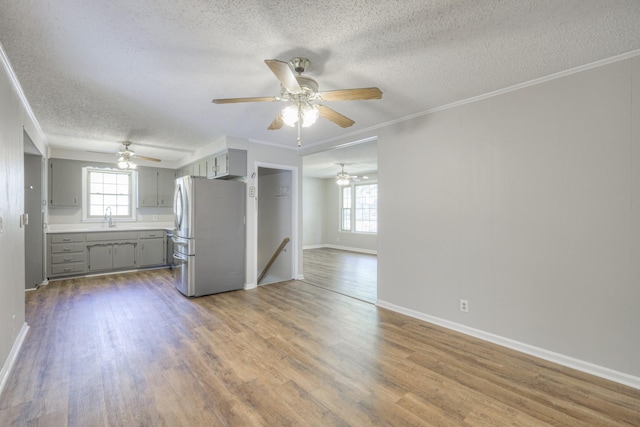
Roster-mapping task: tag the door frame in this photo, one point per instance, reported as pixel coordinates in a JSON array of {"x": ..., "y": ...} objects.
[{"x": 295, "y": 262}]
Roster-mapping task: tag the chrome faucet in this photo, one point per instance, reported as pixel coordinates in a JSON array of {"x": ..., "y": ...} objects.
[{"x": 107, "y": 215}]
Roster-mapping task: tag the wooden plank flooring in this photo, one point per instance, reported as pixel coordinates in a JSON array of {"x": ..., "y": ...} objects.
[
  {"x": 348, "y": 273},
  {"x": 129, "y": 350}
]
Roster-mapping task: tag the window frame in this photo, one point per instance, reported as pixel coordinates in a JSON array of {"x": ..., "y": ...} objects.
[
  {"x": 352, "y": 208},
  {"x": 86, "y": 196}
]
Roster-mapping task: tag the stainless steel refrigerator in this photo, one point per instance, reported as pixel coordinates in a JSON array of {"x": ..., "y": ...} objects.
[{"x": 209, "y": 235}]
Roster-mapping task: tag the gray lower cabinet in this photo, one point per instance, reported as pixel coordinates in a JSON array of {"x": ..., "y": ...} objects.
[
  {"x": 152, "y": 248},
  {"x": 66, "y": 254},
  {"x": 111, "y": 250},
  {"x": 80, "y": 253}
]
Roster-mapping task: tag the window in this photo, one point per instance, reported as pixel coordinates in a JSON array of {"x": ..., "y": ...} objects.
[
  {"x": 359, "y": 208},
  {"x": 108, "y": 188}
]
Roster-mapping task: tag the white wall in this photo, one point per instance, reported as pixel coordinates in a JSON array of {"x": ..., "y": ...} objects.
[
  {"x": 13, "y": 117},
  {"x": 529, "y": 207}
]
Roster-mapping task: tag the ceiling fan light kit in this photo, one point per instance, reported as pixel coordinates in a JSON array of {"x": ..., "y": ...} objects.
[
  {"x": 302, "y": 92},
  {"x": 343, "y": 178},
  {"x": 126, "y": 155}
]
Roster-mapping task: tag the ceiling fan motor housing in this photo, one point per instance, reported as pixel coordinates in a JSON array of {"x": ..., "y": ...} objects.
[{"x": 299, "y": 64}]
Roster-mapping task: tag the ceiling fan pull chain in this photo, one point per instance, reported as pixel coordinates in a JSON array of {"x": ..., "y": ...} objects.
[{"x": 300, "y": 120}]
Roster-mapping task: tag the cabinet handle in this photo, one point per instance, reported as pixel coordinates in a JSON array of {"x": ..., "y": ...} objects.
[
  {"x": 75, "y": 199},
  {"x": 66, "y": 249},
  {"x": 66, "y": 239},
  {"x": 67, "y": 270},
  {"x": 66, "y": 259}
]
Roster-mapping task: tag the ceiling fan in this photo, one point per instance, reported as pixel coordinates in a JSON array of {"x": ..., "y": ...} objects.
[
  {"x": 302, "y": 92},
  {"x": 343, "y": 178},
  {"x": 126, "y": 155}
]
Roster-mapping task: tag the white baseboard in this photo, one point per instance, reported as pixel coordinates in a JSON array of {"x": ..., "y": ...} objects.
[
  {"x": 248, "y": 286},
  {"x": 343, "y": 248},
  {"x": 560, "y": 359},
  {"x": 13, "y": 355}
]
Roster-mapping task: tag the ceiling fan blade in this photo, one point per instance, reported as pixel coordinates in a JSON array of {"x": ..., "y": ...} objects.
[
  {"x": 276, "y": 123},
  {"x": 284, "y": 73},
  {"x": 351, "y": 94},
  {"x": 334, "y": 116},
  {"x": 151, "y": 159},
  {"x": 236, "y": 100}
]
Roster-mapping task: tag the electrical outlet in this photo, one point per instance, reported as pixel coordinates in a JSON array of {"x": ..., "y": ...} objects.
[
  {"x": 464, "y": 305},
  {"x": 155, "y": 217}
]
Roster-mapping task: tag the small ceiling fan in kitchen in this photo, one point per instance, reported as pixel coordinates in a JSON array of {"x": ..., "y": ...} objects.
[
  {"x": 126, "y": 156},
  {"x": 305, "y": 100}
]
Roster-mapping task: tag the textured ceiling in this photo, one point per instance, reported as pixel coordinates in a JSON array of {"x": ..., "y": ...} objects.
[{"x": 98, "y": 72}]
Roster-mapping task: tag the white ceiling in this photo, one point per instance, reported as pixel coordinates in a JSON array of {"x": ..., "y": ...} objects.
[{"x": 99, "y": 72}]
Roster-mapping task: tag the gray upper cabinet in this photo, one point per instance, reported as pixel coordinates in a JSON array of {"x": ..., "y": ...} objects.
[
  {"x": 155, "y": 187},
  {"x": 166, "y": 185},
  {"x": 65, "y": 183},
  {"x": 228, "y": 164}
]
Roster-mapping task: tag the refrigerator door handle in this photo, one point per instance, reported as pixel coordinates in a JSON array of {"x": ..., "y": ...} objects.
[
  {"x": 179, "y": 240},
  {"x": 182, "y": 257}
]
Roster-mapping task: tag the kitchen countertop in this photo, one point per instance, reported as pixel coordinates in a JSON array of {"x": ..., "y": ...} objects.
[{"x": 101, "y": 227}]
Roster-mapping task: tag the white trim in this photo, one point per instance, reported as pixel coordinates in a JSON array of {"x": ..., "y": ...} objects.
[
  {"x": 23, "y": 98},
  {"x": 508, "y": 89},
  {"x": 248, "y": 286},
  {"x": 295, "y": 269},
  {"x": 13, "y": 355},
  {"x": 560, "y": 359},
  {"x": 342, "y": 248},
  {"x": 133, "y": 196}
]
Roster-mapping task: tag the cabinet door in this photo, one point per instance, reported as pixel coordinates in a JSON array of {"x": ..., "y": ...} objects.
[
  {"x": 166, "y": 185},
  {"x": 65, "y": 183},
  {"x": 147, "y": 188},
  {"x": 152, "y": 252},
  {"x": 124, "y": 255},
  {"x": 100, "y": 257},
  {"x": 222, "y": 164}
]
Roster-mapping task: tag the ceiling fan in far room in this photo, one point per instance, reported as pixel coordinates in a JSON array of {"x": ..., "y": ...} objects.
[
  {"x": 126, "y": 156},
  {"x": 343, "y": 178},
  {"x": 302, "y": 92}
]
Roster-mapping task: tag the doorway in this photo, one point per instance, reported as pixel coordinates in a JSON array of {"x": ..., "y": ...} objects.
[
  {"x": 33, "y": 207},
  {"x": 276, "y": 219},
  {"x": 339, "y": 254}
]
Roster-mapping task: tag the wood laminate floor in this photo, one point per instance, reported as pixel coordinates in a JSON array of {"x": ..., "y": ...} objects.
[
  {"x": 129, "y": 350},
  {"x": 349, "y": 273}
]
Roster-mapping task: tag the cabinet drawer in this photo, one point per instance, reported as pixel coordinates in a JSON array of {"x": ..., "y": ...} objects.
[
  {"x": 67, "y": 247},
  {"x": 112, "y": 235},
  {"x": 66, "y": 238},
  {"x": 153, "y": 234},
  {"x": 67, "y": 258},
  {"x": 77, "y": 267}
]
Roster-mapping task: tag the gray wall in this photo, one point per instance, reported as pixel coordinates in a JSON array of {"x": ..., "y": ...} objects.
[
  {"x": 13, "y": 120},
  {"x": 528, "y": 207},
  {"x": 321, "y": 218},
  {"x": 313, "y": 212}
]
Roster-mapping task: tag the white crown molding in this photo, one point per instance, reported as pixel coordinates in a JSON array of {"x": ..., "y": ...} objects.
[
  {"x": 18, "y": 88},
  {"x": 560, "y": 359},
  {"x": 508, "y": 89}
]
